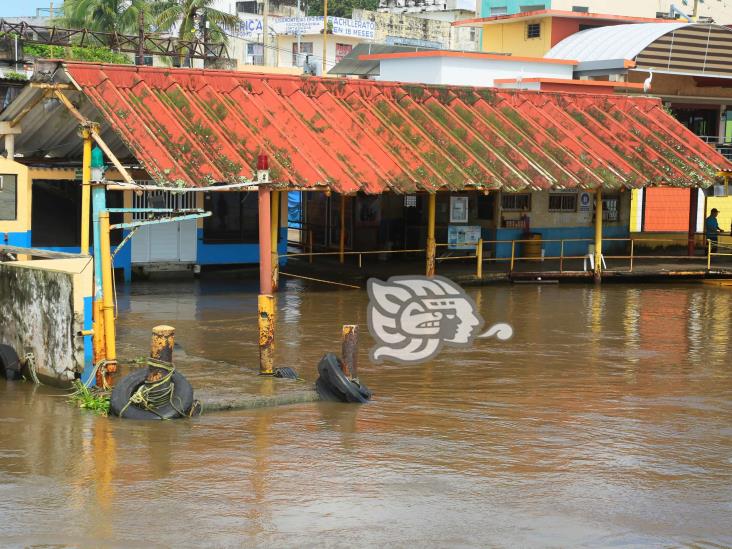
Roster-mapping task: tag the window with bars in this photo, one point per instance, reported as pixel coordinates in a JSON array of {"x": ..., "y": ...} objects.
[
  {"x": 533, "y": 30},
  {"x": 518, "y": 202},
  {"x": 562, "y": 202}
]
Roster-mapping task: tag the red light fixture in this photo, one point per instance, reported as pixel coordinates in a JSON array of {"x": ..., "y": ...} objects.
[{"x": 262, "y": 162}]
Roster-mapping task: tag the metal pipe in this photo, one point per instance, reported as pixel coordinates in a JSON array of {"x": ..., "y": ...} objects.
[
  {"x": 265, "y": 33},
  {"x": 107, "y": 290},
  {"x": 709, "y": 254},
  {"x": 85, "y": 191},
  {"x": 561, "y": 256},
  {"x": 98, "y": 205},
  {"x": 693, "y": 206},
  {"x": 632, "y": 251},
  {"x": 431, "y": 244},
  {"x": 265, "y": 301},
  {"x": 310, "y": 245},
  {"x": 598, "y": 235},
  {"x": 274, "y": 233}
]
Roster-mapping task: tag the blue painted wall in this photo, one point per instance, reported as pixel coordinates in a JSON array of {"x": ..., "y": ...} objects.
[
  {"x": 512, "y": 6},
  {"x": 558, "y": 233},
  {"x": 232, "y": 254},
  {"x": 17, "y": 239}
]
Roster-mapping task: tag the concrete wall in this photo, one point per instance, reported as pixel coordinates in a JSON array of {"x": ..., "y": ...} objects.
[
  {"x": 45, "y": 304},
  {"x": 466, "y": 71}
]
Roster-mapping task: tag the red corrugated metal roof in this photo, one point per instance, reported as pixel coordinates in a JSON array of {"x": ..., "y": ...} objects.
[{"x": 195, "y": 127}]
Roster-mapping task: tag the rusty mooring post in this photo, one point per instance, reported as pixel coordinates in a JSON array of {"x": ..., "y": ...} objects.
[
  {"x": 161, "y": 348},
  {"x": 349, "y": 350}
]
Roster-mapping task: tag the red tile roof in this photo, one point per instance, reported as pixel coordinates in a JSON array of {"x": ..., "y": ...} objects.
[{"x": 195, "y": 127}]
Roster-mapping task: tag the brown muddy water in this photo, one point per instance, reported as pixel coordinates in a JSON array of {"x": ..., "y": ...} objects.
[{"x": 605, "y": 421}]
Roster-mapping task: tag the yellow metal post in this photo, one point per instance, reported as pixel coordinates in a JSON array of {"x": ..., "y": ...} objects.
[
  {"x": 275, "y": 229},
  {"x": 632, "y": 251},
  {"x": 85, "y": 191},
  {"x": 342, "y": 242},
  {"x": 107, "y": 289},
  {"x": 431, "y": 244},
  {"x": 265, "y": 308},
  {"x": 513, "y": 255},
  {"x": 598, "y": 234},
  {"x": 709, "y": 254},
  {"x": 479, "y": 257}
]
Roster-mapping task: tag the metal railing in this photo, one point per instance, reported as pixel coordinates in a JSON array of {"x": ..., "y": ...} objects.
[{"x": 480, "y": 257}]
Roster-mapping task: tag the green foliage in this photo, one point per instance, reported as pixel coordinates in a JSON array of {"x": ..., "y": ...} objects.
[
  {"x": 120, "y": 16},
  {"x": 12, "y": 75},
  {"x": 341, "y": 8},
  {"x": 90, "y": 399},
  {"x": 76, "y": 53},
  {"x": 185, "y": 16}
]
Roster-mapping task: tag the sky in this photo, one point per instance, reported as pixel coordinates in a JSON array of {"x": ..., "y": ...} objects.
[{"x": 18, "y": 8}]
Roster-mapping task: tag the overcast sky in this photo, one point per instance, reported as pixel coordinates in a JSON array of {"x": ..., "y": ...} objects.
[{"x": 18, "y": 8}]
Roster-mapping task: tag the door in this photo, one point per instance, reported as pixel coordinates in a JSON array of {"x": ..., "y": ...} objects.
[{"x": 165, "y": 242}]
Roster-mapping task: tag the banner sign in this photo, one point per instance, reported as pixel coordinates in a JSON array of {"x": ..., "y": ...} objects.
[{"x": 253, "y": 28}]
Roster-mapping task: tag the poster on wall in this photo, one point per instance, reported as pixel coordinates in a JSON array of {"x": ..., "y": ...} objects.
[
  {"x": 368, "y": 211},
  {"x": 584, "y": 207},
  {"x": 462, "y": 237},
  {"x": 458, "y": 209}
]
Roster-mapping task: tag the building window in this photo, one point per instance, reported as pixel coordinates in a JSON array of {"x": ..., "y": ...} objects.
[
  {"x": 8, "y": 198},
  {"x": 580, "y": 9},
  {"x": 563, "y": 202},
  {"x": 255, "y": 54},
  {"x": 516, "y": 202},
  {"x": 499, "y": 11},
  {"x": 234, "y": 217},
  {"x": 306, "y": 48},
  {"x": 611, "y": 208},
  {"x": 532, "y": 7},
  {"x": 533, "y": 30}
]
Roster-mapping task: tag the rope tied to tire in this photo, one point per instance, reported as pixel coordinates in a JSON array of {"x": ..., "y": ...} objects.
[{"x": 157, "y": 393}]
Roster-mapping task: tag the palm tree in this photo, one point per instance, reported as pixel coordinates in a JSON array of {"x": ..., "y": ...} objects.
[
  {"x": 185, "y": 18},
  {"x": 121, "y": 16}
]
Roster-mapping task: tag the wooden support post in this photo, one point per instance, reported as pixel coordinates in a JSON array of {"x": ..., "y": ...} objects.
[
  {"x": 275, "y": 229},
  {"x": 598, "y": 235},
  {"x": 161, "y": 348},
  {"x": 85, "y": 190},
  {"x": 107, "y": 293},
  {"x": 265, "y": 302},
  {"x": 431, "y": 244},
  {"x": 342, "y": 240},
  {"x": 479, "y": 257},
  {"x": 349, "y": 350}
]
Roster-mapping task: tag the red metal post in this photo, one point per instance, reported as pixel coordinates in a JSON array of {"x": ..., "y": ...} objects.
[{"x": 265, "y": 242}]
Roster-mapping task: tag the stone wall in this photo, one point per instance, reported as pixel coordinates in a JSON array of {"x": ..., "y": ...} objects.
[{"x": 42, "y": 313}]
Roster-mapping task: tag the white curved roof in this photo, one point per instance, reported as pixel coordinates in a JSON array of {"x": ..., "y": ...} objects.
[{"x": 613, "y": 42}]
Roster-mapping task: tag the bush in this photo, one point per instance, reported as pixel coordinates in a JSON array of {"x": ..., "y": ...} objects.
[
  {"x": 12, "y": 75},
  {"x": 76, "y": 53}
]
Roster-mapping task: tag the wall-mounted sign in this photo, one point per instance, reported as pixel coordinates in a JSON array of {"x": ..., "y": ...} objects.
[
  {"x": 462, "y": 237},
  {"x": 458, "y": 209},
  {"x": 584, "y": 206}
]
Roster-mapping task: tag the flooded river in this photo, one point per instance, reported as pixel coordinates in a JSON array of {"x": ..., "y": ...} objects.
[{"x": 605, "y": 421}]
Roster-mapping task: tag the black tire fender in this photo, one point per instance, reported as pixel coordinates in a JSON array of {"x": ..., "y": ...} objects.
[
  {"x": 333, "y": 385},
  {"x": 125, "y": 387},
  {"x": 9, "y": 363}
]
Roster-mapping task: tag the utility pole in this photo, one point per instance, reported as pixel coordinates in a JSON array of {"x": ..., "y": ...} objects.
[
  {"x": 265, "y": 33},
  {"x": 140, "y": 60},
  {"x": 298, "y": 34},
  {"x": 204, "y": 32},
  {"x": 325, "y": 33}
]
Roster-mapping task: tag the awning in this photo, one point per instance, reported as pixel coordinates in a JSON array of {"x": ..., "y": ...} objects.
[{"x": 195, "y": 127}]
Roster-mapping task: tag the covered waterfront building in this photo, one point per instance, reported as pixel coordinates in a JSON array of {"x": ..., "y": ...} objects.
[{"x": 379, "y": 164}]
